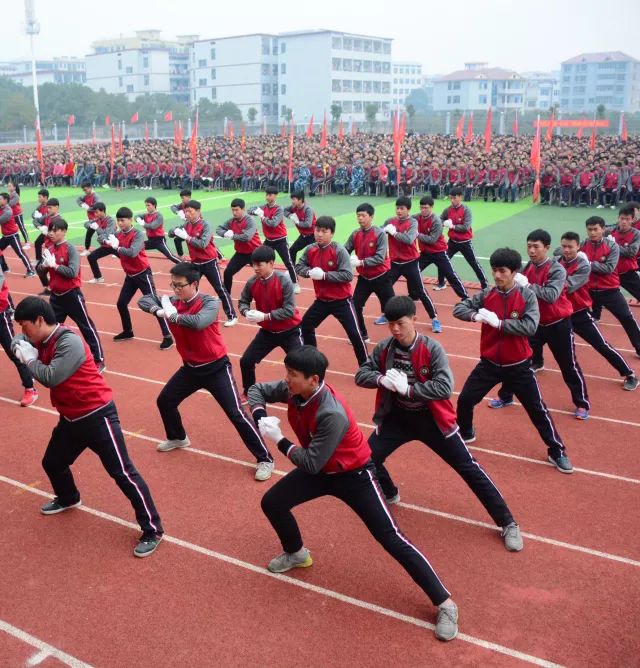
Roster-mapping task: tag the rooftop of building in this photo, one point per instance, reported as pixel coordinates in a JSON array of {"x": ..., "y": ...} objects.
[
  {"x": 600, "y": 57},
  {"x": 481, "y": 73}
]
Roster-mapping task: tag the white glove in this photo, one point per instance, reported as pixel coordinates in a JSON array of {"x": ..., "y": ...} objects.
[
  {"x": 355, "y": 262},
  {"x": 254, "y": 316},
  {"x": 139, "y": 220},
  {"x": 44, "y": 230},
  {"x": 316, "y": 274},
  {"x": 48, "y": 258},
  {"x": 94, "y": 226},
  {"x": 583, "y": 255},
  {"x": 399, "y": 380},
  {"x": 294, "y": 218},
  {"x": 228, "y": 234},
  {"x": 37, "y": 215},
  {"x": 159, "y": 313},
  {"x": 25, "y": 352},
  {"x": 168, "y": 308},
  {"x": 180, "y": 233},
  {"x": 448, "y": 224},
  {"x": 521, "y": 280},
  {"x": 259, "y": 212},
  {"x": 489, "y": 317},
  {"x": 113, "y": 241},
  {"x": 387, "y": 384},
  {"x": 391, "y": 229},
  {"x": 84, "y": 205},
  {"x": 479, "y": 317},
  {"x": 181, "y": 215},
  {"x": 270, "y": 428}
]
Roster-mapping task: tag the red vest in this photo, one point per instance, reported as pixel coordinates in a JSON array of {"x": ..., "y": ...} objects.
[
  {"x": 200, "y": 255},
  {"x": 273, "y": 232},
  {"x": 625, "y": 263},
  {"x": 599, "y": 253},
  {"x": 353, "y": 450},
  {"x": 85, "y": 390},
  {"x": 4, "y": 296},
  {"x": 60, "y": 284},
  {"x": 90, "y": 200},
  {"x": 304, "y": 231},
  {"x": 425, "y": 224},
  {"x": 197, "y": 347},
  {"x": 610, "y": 180},
  {"x": 580, "y": 299},
  {"x": 10, "y": 227},
  {"x": 131, "y": 265},
  {"x": 549, "y": 313},
  {"x": 238, "y": 227},
  {"x": 326, "y": 259},
  {"x": 267, "y": 295},
  {"x": 399, "y": 251},
  {"x": 17, "y": 209},
  {"x": 364, "y": 244},
  {"x": 150, "y": 218},
  {"x": 456, "y": 216},
  {"x": 496, "y": 346}
]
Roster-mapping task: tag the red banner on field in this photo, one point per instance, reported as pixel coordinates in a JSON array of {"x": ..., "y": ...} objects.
[{"x": 575, "y": 123}]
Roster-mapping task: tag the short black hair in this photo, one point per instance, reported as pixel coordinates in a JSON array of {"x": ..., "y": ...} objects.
[
  {"x": 43, "y": 191},
  {"x": 506, "y": 257},
  {"x": 404, "y": 201},
  {"x": 298, "y": 194},
  {"x": 540, "y": 235},
  {"x": 626, "y": 210},
  {"x": 31, "y": 308},
  {"x": 86, "y": 184},
  {"x": 5, "y": 195},
  {"x": 308, "y": 360},
  {"x": 99, "y": 206},
  {"x": 427, "y": 200},
  {"x": 185, "y": 192},
  {"x": 635, "y": 205},
  {"x": 571, "y": 236},
  {"x": 270, "y": 190},
  {"x": 326, "y": 223},
  {"x": 193, "y": 204},
  {"x": 366, "y": 208},
  {"x": 53, "y": 201},
  {"x": 59, "y": 224},
  {"x": 595, "y": 220},
  {"x": 124, "y": 212},
  {"x": 186, "y": 270},
  {"x": 238, "y": 202},
  {"x": 263, "y": 254},
  {"x": 399, "y": 307},
  {"x": 151, "y": 200},
  {"x": 456, "y": 190}
]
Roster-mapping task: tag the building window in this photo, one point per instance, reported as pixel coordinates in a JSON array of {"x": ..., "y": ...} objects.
[
  {"x": 367, "y": 66},
  {"x": 347, "y": 44},
  {"x": 357, "y": 66},
  {"x": 283, "y": 89},
  {"x": 274, "y": 70},
  {"x": 386, "y": 87},
  {"x": 347, "y": 65},
  {"x": 274, "y": 89},
  {"x": 347, "y": 106},
  {"x": 377, "y": 66},
  {"x": 146, "y": 79},
  {"x": 129, "y": 70},
  {"x": 386, "y": 48},
  {"x": 265, "y": 46},
  {"x": 283, "y": 47},
  {"x": 214, "y": 93},
  {"x": 357, "y": 86},
  {"x": 130, "y": 88},
  {"x": 266, "y": 108},
  {"x": 367, "y": 86},
  {"x": 275, "y": 108},
  {"x": 336, "y": 42},
  {"x": 368, "y": 45},
  {"x": 283, "y": 68},
  {"x": 145, "y": 62},
  {"x": 357, "y": 107},
  {"x": 120, "y": 82},
  {"x": 283, "y": 109},
  {"x": 213, "y": 72},
  {"x": 336, "y": 86},
  {"x": 213, "y": 54},
  {"x": 119, "y": 64},
  {"x": 265, "y": 70},
  {"x": 266, "y": 89},
  {"x": 202, "y": 63},
  {"x": 377, "y": 47},
  {"x": 336, "y": 64},
  {"x": 274, "y": 47},
  {"x": 377, "y": 87},
  {"x": 202, "y": 82},
  {"x": 347, "y": 86}
]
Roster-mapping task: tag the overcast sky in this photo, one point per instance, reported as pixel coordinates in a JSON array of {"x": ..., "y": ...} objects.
[{"x": 442, "y": 36}]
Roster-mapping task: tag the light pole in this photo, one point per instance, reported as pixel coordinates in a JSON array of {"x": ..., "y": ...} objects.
[{"x": 32, "y": 27}]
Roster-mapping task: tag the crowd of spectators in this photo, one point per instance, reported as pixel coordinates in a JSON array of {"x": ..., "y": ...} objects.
[{"x": 358, "y": 164}]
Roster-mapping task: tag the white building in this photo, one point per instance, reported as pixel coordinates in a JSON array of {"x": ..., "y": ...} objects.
[
  {"x": 242, "y": 70},
  {"x": 406, "y": 77},
  {"x": 542, "y": 90},
  {"x": 144, "y": 64},
  {"x": 319, "y": 68},
  {"x": 57, "y": 71},
  {"x": 479, "y": 87}
]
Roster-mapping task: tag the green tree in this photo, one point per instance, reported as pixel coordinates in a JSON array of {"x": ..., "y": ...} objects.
[
  {"x": 411, "y": 111},
  {"x": 336, "y": 112},
  {"x": 16, "y": 110},
  {"x": 601, "y": 111},
  {"x": 287, "y": 114},
  {"x": 370, "y": 113},
  {"x": 229, "y": 110},
  {"x": 252, "y": 114}
]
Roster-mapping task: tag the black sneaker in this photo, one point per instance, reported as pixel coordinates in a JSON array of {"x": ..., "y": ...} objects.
[
  {"x": 101, "y": 366},
  {"x": 167, "y": 342},
  {"x": 147, "y": 545},
  {"x": 470, "y": 437},
  {"x": 44, "y": 293},
  {"x": 30, "y": 274},
  {"x": 536, "y": 366},
  {"x": 123, "y": 336},
  {"x": 55, "y": 506}
]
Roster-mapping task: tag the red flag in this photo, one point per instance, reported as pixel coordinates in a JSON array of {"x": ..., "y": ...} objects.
[
  {"x": 623, "y": 129},
  {"x": 550, "y": 127},
  {"x": 592, "y": 142},
  {"x": 487, "y": 131},
  {"x": 120, "y": 146},
  {"x": 107, "y": 120},
  {"x": 243, "y": 138},
  {"x": 395, "y": 125},
  {"x": 341, "y": 130},
  {"x": 146, "y": 131},
  {"x": 112, "y": 155},
  {"x": 534, "y": 159},
  {"x": 68, "y": 144},
  {"x": 193, "y": 146},
  {"x": 180, "y": 135},
  {"x": 310, "y": 127},
  {"x": 71, "y": 120},
  {"x": 39, "y": 153},
  {"x": 354, "y": 128},
  {"x": 469, "y": 137},
  {"x": 459, "y": 127},
  {"x": 135, "y": 118},
  {"x": 579, "y": 134},
  {"x": 232, "y": 133},
  {"x": 515, "y": 124},
  {"x": 175, "y": 133},
  {"x": 403, "y": 126},
  {"x": 291, "y": 130},
  {"x": 323, "y": 136},
  {"x": 283, "y": 130},
  {"x": 93, "y": 134},
  {"x": 168, "y": 116}
]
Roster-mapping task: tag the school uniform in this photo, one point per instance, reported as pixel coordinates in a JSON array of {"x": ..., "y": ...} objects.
[
  {"x": 305, "y": 225},
  {"x": 245, "y": 240},
  {"x": 153, "y": 224},
  {"x": 275, "y": 235}
]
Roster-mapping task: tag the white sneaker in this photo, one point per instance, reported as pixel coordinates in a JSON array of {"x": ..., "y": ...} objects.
[
  {"x": 263, "y": 471},
  {"x": 26, "y": 246},
  {"x": 612, "y": 207},
  {"x": 232, "y": 322},
  {"x": 96, "y": 280},
  {"x": 600, "y": 206},
  {"x": 297, "y": 289},
  {"x": 440, "y": 287},
  {"x": 165, "y": 446},
  {"x": 85, "y": 253}
]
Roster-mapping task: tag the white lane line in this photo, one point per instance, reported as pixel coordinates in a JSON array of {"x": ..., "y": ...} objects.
[
  {"x": 322, "y": 591},
  {"x": 45, "y": 649},
  {"x": 423, "y": 509}
]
